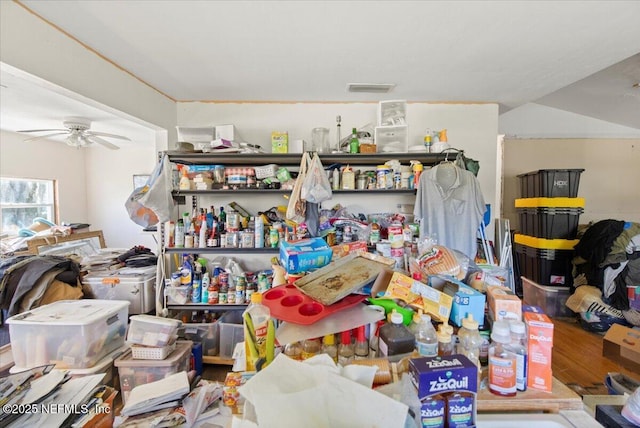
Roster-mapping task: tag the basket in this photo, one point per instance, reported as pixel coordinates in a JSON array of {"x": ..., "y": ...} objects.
[
  {"x": 152, "y": 353},
  {"x": 266, "y": 171}
]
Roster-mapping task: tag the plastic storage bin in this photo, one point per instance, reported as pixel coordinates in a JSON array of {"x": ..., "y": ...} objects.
[
  {"x": 73, "y": 334},
  {"x": 231, "y": 332},
  {"x": 550, "y": 223},
  {"x": 150, "y": 330},
  {"x": 545, "y": 266},
  {"x": 136, "y": 285},
  {"x": 206, "y": 333},
  {"x": 132, "y": 372},
  {"x": 551, "y": 299},
  {"x": 392, "y": 139},
  {"x": 550, "y": 183}
]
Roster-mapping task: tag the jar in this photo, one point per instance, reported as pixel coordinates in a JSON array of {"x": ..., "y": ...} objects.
[
  {"x": 361, "y": 181},
  {"x": 218, "y": 174}
]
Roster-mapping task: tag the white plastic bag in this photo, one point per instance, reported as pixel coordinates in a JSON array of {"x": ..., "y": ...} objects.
[
  {"x": 152, "y": 203},
  {"x": 316, "y": 187},
  {"x": 296, "y": 210}
]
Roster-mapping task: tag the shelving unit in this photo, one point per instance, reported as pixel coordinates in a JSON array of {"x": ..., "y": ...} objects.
[{"x": 251, "y": 160}]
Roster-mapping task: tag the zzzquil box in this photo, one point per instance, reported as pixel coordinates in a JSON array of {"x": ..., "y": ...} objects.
[
  {"x": 447, "y": 388},
  {"x": 305, "y": 254}
]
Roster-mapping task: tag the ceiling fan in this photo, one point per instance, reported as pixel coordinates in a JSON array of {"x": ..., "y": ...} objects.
[{"x": 79, "y": 134}]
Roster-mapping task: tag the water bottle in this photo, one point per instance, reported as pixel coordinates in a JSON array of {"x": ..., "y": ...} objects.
[
  {"x": 519, "y": 347},
  {"x": 426, "y": 338},
  {"x": 259, "y": 232}
]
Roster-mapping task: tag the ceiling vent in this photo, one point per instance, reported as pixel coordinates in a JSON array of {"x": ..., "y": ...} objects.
[{"x": 376, "y": 88}]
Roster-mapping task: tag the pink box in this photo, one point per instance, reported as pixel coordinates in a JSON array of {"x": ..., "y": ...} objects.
[{"x": 540, "y": 346}]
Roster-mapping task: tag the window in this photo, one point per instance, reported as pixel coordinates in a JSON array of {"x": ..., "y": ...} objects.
[{"x": 23, "y": 199}]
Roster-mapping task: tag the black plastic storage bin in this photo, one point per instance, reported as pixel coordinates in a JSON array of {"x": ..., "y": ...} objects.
[
  {"x": 546, "y": 267},
  {"x": 550, "y": 183},
  {"x": 550, "y": 223}
]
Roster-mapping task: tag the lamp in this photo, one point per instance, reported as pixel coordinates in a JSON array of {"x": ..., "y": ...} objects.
[{"x": 74, "y": 139}]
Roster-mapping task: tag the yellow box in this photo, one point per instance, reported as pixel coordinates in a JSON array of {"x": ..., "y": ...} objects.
[
  {"x": 503, "y": 304},
  {"x": 420, "y": 296},
  {"x": 279, "y": 142}
]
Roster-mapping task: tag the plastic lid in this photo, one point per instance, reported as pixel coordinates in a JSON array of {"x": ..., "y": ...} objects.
[
  {"x": 417, "y": 316},
  {"x": 426, "y": 317},
  {"x": 443, "y": 336},
  {"x": 345, "y": 337},
  {"x": 329, "y": 339},
  {"x": 256, "y": 298},
  {"x": 360, "y": 336},
  {"x": 470, "y": 323},
  {"x": 396, "y": 318},
  {"x": 501, "y": 332},
  {"x": 517, "y": 327}
]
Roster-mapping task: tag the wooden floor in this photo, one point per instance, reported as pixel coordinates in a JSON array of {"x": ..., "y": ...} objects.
[{"x": 577, "y": 360}]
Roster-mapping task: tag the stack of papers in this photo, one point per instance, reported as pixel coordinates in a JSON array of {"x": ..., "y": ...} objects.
[{"x": 161, "y": 394}]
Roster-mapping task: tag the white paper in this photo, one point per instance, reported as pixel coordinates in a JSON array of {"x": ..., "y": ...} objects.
[
  {"x": 292, "y": 394},
  {"x": 150, "y": 395}
]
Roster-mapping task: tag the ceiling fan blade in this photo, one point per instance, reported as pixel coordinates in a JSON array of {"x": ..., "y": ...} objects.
[
  {"x": 41, "y": 137},
  {"x": 95, "y": 139},
  {"x": 44, "y": 130},
  {"x": 104, "y": 134}
]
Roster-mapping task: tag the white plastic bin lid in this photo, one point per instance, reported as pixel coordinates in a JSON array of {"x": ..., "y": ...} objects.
[
  {"x": 100, "y": 367},
  {"x": 168, "y": 322},
  {"x": 124, "y": 274},
  {"x": 71, "y": 312}
]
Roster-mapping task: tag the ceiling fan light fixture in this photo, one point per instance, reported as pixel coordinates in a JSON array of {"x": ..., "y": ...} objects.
[
  {"x": 374, "y": 88},
  {"x": 74, "y": 139}
]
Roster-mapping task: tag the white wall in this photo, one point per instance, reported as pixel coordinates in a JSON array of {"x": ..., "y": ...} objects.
[{"x": 49, "y": 160}]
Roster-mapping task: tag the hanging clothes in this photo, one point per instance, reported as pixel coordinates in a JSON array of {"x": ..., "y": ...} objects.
[{"x": 450, "y": 206}]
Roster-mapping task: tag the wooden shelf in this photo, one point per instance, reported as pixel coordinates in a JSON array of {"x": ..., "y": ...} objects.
[{"x": 217, "y": 360}]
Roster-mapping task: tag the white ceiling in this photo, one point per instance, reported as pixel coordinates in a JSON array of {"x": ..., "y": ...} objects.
[{"x": 578, "y": 56}]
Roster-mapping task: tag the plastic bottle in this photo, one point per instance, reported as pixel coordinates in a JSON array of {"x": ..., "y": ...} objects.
[
  {"x": 258, "y": 230},
  {"x": 361, "y": 348},
  {"x": 196, "y": 293},
  {"x": 179, "y": 234},
  {"x": 346, "y": 349},
  {"x": 186, "y": 272},
  {"x": 204, "y": 294},
  {"x": 329, "y": 347},
  {"x": 519, "y": 347},
  {"x": 446, "y": 346},
  {"x": 469, "y": 340},
  {"x": 433, "y": 414},
  {"x": 502, "y": 361},
  {"x": 256, "y": 324},
  {"x": 222, "y": 219},
  {"x": 426, "y": 340},
  {"x": 293, "y": 350},
  {"x": 310, "y": 347},
  {"x": 395, "y": 338},
  {"x": 374, "y": 235},
  {"x": 185, "y": 183},
  {"x": 202, "y": 238}
]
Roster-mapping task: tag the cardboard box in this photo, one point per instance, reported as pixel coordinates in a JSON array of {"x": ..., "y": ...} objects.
[
  {"x": 539, "y": 349},
  {"x": 342, "y": 250},
  {"x": 466, "y": 300},
  {"x": 447, "y": 388},
  {"x": 419, "y": 295},
  {"x": 279, "y": 142},
  {"x": 622, "y": 345},
  {"x": 503, "y": 304},
  {"x": 305, "y": 254}
]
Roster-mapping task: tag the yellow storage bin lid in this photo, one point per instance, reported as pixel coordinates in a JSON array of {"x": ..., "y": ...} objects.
[
  {"x": 545, "y": 244},
  {"x": 550, "y": 203}
]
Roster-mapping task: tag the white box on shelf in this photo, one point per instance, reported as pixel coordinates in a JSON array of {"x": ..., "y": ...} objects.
[
  {"x": 392, "y": 113},
  {"x": 71, "y": 334},
  {"x": 227, "y": 132},
  {"x": 392, "y": 139}
]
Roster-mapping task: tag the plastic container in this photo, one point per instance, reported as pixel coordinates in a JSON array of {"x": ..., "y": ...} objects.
[
  {"x": 231, "y": 332},
  {"x": 72, "y": 334},
  {"x": 550, "y": 223},
  {"x": 470, "y": 341},
  {"x": 547, "y": 267},
  {"x": 551, "y": 299},
  {"x": 134, "y": 372},
  {"x": 136, "y": 285},
  {"x": 149, "y": 330},
  {"x": 519, "y": 347},
  {"x": 426, "y": 339},
  {"x": 395, "y": 338},
  {"x": 392, "y": 139},
  {"x": 550, "y": 183},
  {"x": 502, "y": 361}
]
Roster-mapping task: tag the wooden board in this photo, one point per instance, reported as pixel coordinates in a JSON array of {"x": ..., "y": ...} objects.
[
  {"x": 561, "y": 398},
  {"x": 337, "y": 280}
]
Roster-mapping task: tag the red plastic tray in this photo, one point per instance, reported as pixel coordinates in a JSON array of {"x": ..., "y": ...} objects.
[{"x": 287, "y": 303}]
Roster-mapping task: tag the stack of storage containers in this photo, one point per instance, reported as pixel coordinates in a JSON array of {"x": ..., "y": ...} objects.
[
  {"x": 155, "y": 353},
  {"x": 548, "y": 211},
  {"x": 391, "y": 135}
]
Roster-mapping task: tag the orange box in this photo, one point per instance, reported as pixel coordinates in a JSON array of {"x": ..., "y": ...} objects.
[
  {"x": 540, "y": 346},
  {"x": 503, "y": 304}
]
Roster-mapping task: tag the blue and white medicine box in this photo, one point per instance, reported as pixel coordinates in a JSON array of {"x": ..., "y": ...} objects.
[
  {"x": 305, "y": 254},
  {"x": 466, "y": 300}
]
